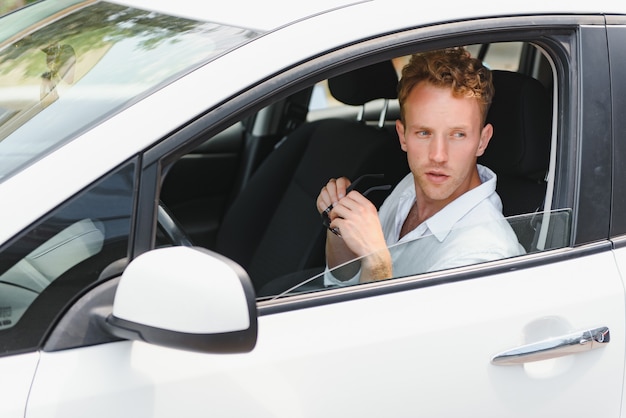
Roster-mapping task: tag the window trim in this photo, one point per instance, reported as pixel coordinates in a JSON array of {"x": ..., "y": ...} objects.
[
  {"x": 560, "y": 36},
  {"x": 617, "y": 57}
]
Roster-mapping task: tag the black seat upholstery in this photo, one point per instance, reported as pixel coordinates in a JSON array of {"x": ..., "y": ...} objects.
[
  {"x": 519, "y": 154},
  {"x": 519, "y": 151},
  {"x": 273, "y": 228}
]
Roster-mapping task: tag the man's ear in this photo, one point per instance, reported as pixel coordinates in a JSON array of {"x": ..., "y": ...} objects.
[
  {"x": 485, "y": 137},
  {"x": 400, "y": 131}
]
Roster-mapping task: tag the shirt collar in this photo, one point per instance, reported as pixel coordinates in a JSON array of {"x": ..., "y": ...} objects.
[{"x": 442, "y": 222}]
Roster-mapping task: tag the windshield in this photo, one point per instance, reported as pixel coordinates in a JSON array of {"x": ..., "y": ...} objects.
[{"x": 66, "y": 65}]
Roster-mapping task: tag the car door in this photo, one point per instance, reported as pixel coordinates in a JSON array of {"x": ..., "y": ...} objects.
[
  {"x": 538, "y": 335},
  {"x": 20, "y": 371},
  {"x": 419, "y": 352}
]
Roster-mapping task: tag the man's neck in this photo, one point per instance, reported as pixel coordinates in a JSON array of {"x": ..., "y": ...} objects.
[
  {"x": 424, "y": 208},
  {"x": 412, "y": 220}
]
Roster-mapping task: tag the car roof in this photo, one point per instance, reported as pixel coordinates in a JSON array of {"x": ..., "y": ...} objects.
[
  {"x": 270, "y": 15},
  {"x": 258, "y": 15}
]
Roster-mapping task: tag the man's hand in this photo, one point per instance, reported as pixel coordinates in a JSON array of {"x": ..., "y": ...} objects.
[
  {"x": 360, "y": 234},
  {"x": 356, "y": 218},
  {"x": 330, "y": 194}
]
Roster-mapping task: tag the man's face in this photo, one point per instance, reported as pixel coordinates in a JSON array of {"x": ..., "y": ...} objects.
[{"x": 442, "y": 139}]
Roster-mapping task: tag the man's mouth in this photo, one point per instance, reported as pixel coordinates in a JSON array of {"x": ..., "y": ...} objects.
[{"x": 436, "y": 176}]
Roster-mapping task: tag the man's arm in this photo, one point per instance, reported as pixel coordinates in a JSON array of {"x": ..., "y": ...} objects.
[
  {"x": 376, "y": 266},
  {"x": 358, "y": 233},
  {"x": 337, "y": 252}
]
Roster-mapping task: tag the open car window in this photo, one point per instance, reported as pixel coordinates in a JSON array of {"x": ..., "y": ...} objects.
[
  {"x": 504, "y": 56},
  {"x": 249, "y": 191}
]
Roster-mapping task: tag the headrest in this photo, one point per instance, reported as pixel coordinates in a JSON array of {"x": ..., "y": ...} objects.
[
  {"x": 355, "y": 88},
  {"x": 521, "y": 115}
]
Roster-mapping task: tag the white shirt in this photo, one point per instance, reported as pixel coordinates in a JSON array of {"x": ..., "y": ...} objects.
[{"x": 471, "y": 229}]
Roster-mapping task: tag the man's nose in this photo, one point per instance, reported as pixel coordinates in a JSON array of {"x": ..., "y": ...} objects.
[{"x": 439, "y": 150}]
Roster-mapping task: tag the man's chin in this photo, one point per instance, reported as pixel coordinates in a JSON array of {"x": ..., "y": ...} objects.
[{"x": 437, "y": 194}]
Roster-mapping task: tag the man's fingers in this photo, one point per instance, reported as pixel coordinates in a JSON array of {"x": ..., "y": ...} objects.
[
  {"x": 341, "y": 184},
  {"x": 331, "y": 193}
]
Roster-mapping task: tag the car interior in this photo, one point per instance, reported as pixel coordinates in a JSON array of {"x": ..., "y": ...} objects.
[{"x": 249, "y": 192}]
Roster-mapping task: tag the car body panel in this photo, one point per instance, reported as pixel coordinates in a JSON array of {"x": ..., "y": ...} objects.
[
  {"x": 399, "y": 354},
  {"x": 18, "y": 372},
  {"x": 392, "y": 14},
  {"x": 620, "y": 260},
  {"x": 261, "y": 16}
]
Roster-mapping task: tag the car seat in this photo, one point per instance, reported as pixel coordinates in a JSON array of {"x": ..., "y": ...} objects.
[
  {"x": 519, "y": 154},
  {"x": 273, "y": 227},
  {"x": 519, "y": 151}
]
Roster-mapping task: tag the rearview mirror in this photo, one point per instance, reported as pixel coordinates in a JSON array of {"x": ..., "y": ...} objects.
[{"x": 188, "y": 298}]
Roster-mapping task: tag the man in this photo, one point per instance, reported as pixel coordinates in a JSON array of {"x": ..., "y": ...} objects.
[{"x": 447, "y": 207}]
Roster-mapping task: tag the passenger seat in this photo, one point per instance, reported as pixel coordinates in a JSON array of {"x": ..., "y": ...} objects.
[
  {"x": 519, "y": 151},
  {"x": 519, "y": 154}
]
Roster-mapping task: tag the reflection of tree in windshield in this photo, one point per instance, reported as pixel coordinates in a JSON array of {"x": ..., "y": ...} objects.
[
  {"x": 61, "y": 60},
  {"x": 75, "y": 67},
  {"x": 94, "y": 27}
]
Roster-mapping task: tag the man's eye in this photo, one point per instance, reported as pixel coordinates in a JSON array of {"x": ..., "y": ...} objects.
[
  {"x": 459, "y": 135},
  {"x": 422, "y": 134}
]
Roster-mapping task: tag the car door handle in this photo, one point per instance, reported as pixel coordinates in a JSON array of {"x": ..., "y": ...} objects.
[{"x": 573, "y": 343}]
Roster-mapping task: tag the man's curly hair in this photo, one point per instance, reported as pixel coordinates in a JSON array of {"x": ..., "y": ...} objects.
[{"x": 453, "y": 68}]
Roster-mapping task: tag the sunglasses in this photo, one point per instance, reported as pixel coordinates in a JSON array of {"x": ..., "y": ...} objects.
[{"x": 325, "y": 214}]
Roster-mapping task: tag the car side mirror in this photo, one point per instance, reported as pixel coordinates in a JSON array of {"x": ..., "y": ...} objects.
[{"x": 187, "y": 298}]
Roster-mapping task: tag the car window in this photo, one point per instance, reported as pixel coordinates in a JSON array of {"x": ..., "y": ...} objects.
[
  {"x": 61, "y": 256},
  {"x": 270, "y": 225},
  {"x": 499, "y": 56},
  {"x": 496, "y": 56},
  {"x": 88, "y": 60}
]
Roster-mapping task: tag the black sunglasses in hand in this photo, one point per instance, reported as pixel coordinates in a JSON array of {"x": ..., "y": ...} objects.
[{"x": 325, "y": 214}]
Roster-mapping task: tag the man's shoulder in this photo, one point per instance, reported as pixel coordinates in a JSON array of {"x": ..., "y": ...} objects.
[
  {"x": 491, "y": 233},
  {"x": 405, "y": 184}
]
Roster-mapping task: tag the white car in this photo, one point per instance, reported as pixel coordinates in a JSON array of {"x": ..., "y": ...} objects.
[{"x": 161, "y": 254}]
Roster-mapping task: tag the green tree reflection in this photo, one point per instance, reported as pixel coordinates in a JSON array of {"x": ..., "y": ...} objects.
[{"x": 97, "y": 26}]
